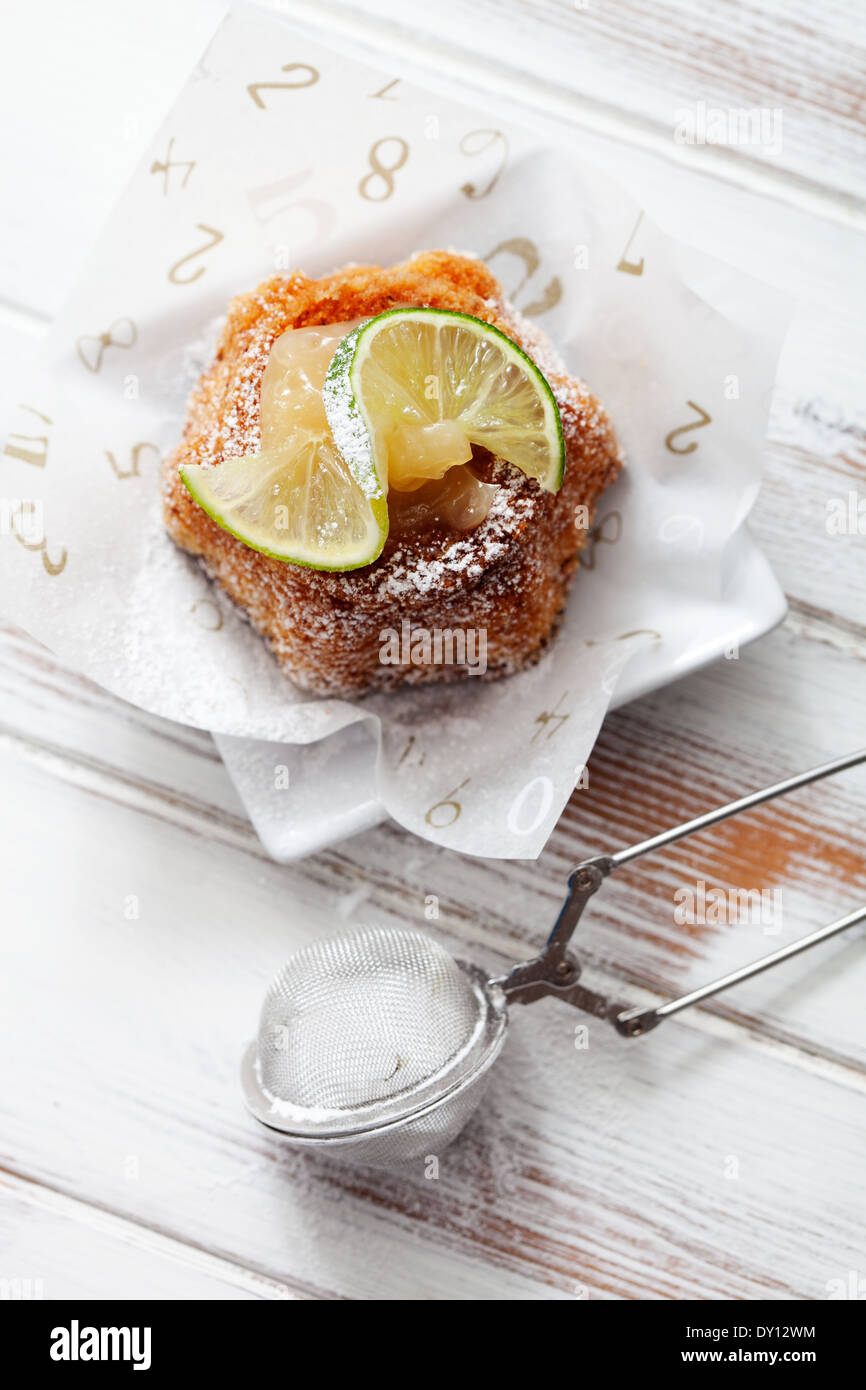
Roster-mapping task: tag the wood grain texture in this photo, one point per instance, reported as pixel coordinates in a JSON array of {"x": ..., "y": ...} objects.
[
  {"x": 542, "y": 1197},
  {"x": 635, "y": 64},
  {"x": 722, "y": 1157},
  {"x": 60, "y": 1248},
  {"x": 656, "y": 763}
]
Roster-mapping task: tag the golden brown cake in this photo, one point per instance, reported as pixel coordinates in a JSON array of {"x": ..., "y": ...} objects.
[{"x": 508, "y": 577}]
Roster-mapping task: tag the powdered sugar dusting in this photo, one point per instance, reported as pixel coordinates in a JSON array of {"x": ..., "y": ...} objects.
[
  {"x": 470, "y": 557},
  {"x": 508, "y": 575}
]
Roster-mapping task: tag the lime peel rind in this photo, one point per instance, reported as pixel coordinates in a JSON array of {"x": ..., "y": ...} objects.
[
  {"x": 354, "y": 438},
  {"x": 198, "y": 481},
  {"x": 353, "y": 433}
]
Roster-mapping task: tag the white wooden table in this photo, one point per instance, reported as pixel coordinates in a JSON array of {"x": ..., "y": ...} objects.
[{"x": 721, "y": 1158}]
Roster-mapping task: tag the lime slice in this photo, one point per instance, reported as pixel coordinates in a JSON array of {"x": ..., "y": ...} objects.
[
  {"x": 409, "y": 392},
  {"x": 294, "y": 503},
  {"x": 296, "y": 499}
]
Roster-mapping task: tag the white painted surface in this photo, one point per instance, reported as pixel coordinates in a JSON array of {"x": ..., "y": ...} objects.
[{"x": 723, "y": 1156}]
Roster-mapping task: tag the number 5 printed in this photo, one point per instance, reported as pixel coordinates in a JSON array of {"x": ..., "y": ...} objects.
[
  {"x": 699, "y": 424},
  {"x": 214, "y": 238},
  {"x": 51, "y": 567}
]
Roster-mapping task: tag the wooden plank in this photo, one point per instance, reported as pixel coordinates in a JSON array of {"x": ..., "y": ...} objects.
[
  {"x": 670, "y": 1168},
  {"x": 566, "y": 1185},
  {"x": 810, "y": 518},
  {"x": 813, "y": 564},
  {"x": 58, "y": 712},
  {"x": 721, "y": 201},
  {"x": 668, "y": 758},
  {"x": 704, "y": 741},
  {"x": 631, "y": 69},
  {"x": 54, "y": 1247}
]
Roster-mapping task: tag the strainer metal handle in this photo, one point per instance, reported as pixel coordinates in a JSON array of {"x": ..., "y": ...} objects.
[{"x": 556, "y": 972}]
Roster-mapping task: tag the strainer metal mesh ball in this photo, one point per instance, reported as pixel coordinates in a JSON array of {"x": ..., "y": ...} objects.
[
  {"x": 374, "y": 1045},
  {"x": 377, "y": 1045}
]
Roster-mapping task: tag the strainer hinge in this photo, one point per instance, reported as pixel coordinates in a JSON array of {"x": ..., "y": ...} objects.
[{"x": 556, "y": 971}]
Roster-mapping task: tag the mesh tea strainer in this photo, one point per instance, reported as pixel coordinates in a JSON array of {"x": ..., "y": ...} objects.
[{"x": 377, "y": 1045}]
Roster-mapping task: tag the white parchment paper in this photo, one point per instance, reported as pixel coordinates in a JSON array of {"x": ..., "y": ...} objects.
[{"x": 281, "y": 154}]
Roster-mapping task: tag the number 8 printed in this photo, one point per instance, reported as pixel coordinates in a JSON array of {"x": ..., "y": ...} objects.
[{"x": 383, "y": 172}]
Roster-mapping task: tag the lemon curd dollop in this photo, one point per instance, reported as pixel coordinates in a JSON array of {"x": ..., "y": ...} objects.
[
  {"x": 430, "y": 480},
  {"x": 387, "y": 423}
]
